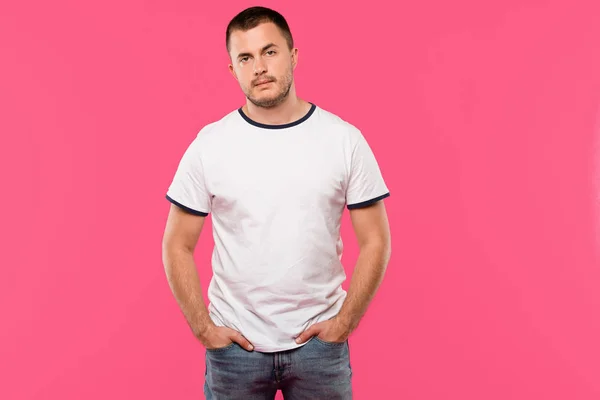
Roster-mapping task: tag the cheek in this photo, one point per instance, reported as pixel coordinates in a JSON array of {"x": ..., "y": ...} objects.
[{"x": 243, "y": 77}]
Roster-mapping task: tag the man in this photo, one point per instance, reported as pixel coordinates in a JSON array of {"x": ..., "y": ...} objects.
[{"x": 276, "y": 175}]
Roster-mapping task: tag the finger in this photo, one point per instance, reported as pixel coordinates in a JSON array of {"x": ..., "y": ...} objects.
[
  {"x": 310, "y": 332},
  {"x": 242, "y": 341}
]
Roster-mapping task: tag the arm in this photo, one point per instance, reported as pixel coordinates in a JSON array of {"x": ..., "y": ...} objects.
[
  {"x": 181, "y": 234},
  {"x": 372, "y": 231},
  {"x": 179, "y": 242}
]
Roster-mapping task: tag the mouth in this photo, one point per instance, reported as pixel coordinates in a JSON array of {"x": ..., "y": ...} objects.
[{"x": 261, "y": 83}]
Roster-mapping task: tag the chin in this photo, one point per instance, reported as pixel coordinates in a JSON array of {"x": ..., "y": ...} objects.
[
  {"x": 262, "y": 92},
  {"x": 269, "y": 102},
  {"x": 264, "y": 98}
]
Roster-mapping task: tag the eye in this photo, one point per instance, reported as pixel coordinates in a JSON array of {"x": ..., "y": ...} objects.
[
  {"x": 243, "y": 59},
  {"x": 271, "y": 52}
]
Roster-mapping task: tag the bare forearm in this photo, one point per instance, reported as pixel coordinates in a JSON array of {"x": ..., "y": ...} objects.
[
  {"x": 366, "y": 278},
  {"x": 182, "y": 276}
]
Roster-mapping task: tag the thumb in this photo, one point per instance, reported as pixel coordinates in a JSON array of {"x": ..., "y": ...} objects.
[
  {"x": 310, "y": 332},
  {"x": 242, "y": 341}
]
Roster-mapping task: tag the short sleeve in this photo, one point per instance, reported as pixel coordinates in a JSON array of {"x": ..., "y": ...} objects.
[
  {"x": 366, "y": 185},
  {"x": 188, "y": 187}
]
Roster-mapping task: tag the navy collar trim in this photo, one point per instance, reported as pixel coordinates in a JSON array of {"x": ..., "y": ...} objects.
[{"x": 281, "y": 126}]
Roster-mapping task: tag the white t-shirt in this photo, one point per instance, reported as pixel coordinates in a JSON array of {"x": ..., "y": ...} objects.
[{"x": 276, "y": 194}]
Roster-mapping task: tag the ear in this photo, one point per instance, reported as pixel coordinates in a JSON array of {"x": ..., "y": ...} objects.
[
  {"x": 294, "y": 58},
  {"x": 232, "y": 70}
]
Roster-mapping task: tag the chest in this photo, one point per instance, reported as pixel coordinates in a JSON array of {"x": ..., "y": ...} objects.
[{"x": 299, "y": 174}]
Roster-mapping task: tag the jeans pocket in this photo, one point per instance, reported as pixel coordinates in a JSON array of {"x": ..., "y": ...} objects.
[
  {"x": 330, "y": 344},
  {"x": 221, "y": 349}
]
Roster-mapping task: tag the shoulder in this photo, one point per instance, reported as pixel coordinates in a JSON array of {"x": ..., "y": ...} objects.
[
  {"x": 215, "y": 131},
  {"x": 209, "y": 134},
  {"x": 216, "y": 128},
  {"x": 339, "y": 126}
]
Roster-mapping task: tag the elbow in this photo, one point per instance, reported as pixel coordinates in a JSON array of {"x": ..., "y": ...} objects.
[
  {"x": 386, "y": 250},
  {"x": 380, "y": 246},
  {"x": 166, "y": 251},
  {"x": 172, "y": 251}
]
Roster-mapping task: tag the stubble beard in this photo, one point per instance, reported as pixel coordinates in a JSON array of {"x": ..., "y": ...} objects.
[{"x": 278, "y": 98}]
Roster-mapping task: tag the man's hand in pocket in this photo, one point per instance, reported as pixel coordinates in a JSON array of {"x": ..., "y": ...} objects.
[{"x": 216, "y": 337}]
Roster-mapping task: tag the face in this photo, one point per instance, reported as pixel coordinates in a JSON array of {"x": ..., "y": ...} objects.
[{"x": 262, "y": 64}]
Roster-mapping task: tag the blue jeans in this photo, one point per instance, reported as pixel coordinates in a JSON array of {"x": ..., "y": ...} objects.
[{"x": 317, "y": 370}]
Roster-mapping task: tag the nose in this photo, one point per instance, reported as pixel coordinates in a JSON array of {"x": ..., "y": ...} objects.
[{"x": 259, "y": 66}]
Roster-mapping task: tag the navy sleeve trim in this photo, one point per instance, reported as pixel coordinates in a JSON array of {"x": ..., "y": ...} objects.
[
  {"x": 185, "y": 208},
  {"x": 368, "y": 202}
]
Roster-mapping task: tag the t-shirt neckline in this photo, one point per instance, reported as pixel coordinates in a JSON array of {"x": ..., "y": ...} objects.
[{"x": 281, "y": 126}]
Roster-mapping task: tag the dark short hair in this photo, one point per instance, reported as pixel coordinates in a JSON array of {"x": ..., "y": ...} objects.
[{"x": 254, "y": 16}]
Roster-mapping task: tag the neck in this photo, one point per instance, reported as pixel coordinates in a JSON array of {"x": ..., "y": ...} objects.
[{"x": 290, "y": 110}]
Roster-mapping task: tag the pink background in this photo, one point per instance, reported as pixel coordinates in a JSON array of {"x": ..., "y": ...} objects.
[{"x": 484, "y": 118}]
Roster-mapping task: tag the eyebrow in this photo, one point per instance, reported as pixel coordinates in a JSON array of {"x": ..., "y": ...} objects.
[{"x": 261, "y": 50}]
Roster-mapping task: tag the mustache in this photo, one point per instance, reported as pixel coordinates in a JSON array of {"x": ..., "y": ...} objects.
[{"x": 262, "y": 79}]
